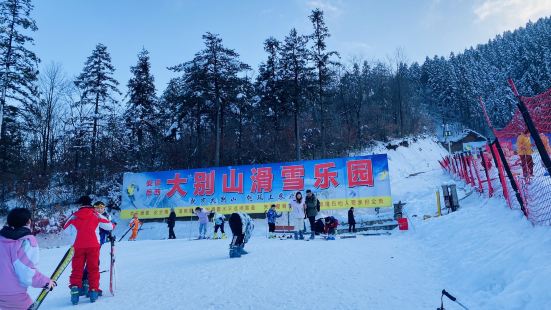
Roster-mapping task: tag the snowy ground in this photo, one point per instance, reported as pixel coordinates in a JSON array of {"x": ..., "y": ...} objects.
[{"x": 490, "y": 257}]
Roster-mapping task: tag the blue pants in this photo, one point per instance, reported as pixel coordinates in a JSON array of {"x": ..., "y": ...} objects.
[{"x": 202, "y": 229}]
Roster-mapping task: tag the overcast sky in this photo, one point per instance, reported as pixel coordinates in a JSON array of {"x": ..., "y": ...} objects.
[{"x": 171, "y": 29}]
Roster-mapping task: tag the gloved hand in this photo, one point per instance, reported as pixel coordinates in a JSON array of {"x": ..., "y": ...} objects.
[{"x": 51, "y": 285}]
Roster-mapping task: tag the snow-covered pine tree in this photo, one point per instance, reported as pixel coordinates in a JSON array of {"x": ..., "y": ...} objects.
[
  {"x": 18, "y": 64},
  {"x": 141, "y": 110},
  {"x": 98, "y": 89}
]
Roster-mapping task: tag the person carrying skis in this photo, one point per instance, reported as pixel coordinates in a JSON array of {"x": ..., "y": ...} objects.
[
  {"x": 351, "y": 220},
  {"x": 272, "y": 215},
  {"x": 171, "y": 222},
  {"x": 312, "y": 209},
  {"x": 298, "y": 214},
  {"x": 87, "y": 248},
  {"x": 218, "y": 220},
  {"x": 242, "y": 227},
  {"x": 203, "y": 221},
  {"x": 135, "y": 225},
  {"x": 331, "y": 224},
  {"x": 18, "y": 262}
]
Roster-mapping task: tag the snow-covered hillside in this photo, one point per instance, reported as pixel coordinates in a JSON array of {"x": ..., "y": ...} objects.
[{"x": 485, "y": 254}]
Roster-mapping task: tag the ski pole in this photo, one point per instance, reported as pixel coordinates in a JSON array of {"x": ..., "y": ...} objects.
[{"x": 444, "y": 293}]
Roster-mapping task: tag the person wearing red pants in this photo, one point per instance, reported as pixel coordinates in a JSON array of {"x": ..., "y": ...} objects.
[{"x": 86, "y": 221}]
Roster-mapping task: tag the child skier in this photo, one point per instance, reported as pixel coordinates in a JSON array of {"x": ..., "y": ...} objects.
[
  {"x": 135, "y": 225},
  {"x": 242, "y": 227},
  {"x": 218, "y": 220},
  {"x": 18, "y": 261},
  {"x": 203, "y": 221},
  {"x": 351, "y": 220},
  {"x": 331, "y": 224},
  {"x": 272, "y": 215},
  {"x": 87, "y": 248},
  {"x": 104, "y": 235}
]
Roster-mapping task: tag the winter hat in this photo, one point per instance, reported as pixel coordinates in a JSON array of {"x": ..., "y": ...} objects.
[
  {"x": 18, "y": 217},
  {"x": 84, "y": 200}
]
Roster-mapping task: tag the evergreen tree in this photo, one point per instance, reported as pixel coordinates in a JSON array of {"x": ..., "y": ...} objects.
[
  {"x": 296, "y": 77},
  {"x": 98, "y": 88},
  {"x": 322, "y": 62},
  {"x": 141, "y": 110},
  {"x": 219, "y": 68},
  {"x": 18, "y": 64},
  {"x": 273, "y": 109}
]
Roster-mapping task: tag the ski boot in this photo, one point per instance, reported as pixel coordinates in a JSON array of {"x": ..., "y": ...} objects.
[
  {"x": 234, "y": 252},
  {"x": 312, "y": 236},
  {"x": 296, "y": 235},
  {"x": 94, "y": 295},
  {"x": 300, "y": 235},
  {"x": 224, "y": 236},
  {"x": 242, "y": 250},
  {"x": 75, "y": 294},
  {"x": 84, "y": 291},
  {"x": 215, "y": 236}
]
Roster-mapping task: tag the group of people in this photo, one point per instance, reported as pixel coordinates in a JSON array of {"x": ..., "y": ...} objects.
[
  {"x": 19, "y": 255},
  {"x": 308, "y": 208}
]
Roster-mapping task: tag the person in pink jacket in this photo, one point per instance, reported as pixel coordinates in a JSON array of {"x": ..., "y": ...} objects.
[{"x": 18, "y": 262}]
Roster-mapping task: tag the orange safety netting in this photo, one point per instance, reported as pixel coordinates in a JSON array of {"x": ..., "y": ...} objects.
[{"x": 524, "y": 159}]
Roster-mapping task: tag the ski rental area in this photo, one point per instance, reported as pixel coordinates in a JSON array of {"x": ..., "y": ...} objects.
[{"x": 486, "y": 254}]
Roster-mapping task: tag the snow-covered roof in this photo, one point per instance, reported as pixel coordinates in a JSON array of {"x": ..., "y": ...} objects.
[{"x": 465, "y": 133}]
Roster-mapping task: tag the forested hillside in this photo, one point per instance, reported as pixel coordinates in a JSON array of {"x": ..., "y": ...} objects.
[{"x": 62, "y": 136}]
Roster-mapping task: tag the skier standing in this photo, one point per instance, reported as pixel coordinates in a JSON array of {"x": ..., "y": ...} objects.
[
  {"x": 272, "y": 215},
  {"x": 171, "y": 222},
  {"x": 203, "y": 221},
  {"x": 351, "y": 220},
  {"x": 87, "y": 248},
  {"x": 219, "y": 221},
  {"x": 135, "y": 225},
  {"x": 241, "y": 226},
  {"x": 312, "y": 204},
  {"x": 298, "y": 214},
  {"x": 18, "y": 262},
  {"x": 104, "y": 237}
]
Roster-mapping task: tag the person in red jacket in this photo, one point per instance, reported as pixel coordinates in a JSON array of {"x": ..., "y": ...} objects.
[
  {"x": 86, "y": 221},
  {"x": 331, "y": 224}
]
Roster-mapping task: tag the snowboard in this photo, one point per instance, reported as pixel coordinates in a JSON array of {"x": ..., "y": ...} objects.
[{"x": 65, "y": 261}]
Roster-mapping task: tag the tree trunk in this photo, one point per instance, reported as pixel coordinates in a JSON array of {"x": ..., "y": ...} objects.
[{"x": 94, "y": 141}]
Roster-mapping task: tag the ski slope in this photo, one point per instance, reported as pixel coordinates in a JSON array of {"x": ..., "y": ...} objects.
[{"x": 488, "y": 256}]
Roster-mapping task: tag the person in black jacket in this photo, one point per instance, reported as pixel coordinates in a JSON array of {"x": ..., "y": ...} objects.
[
  {"x": 171, "y": 222},
  {"x": 351, "y": 221}
]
